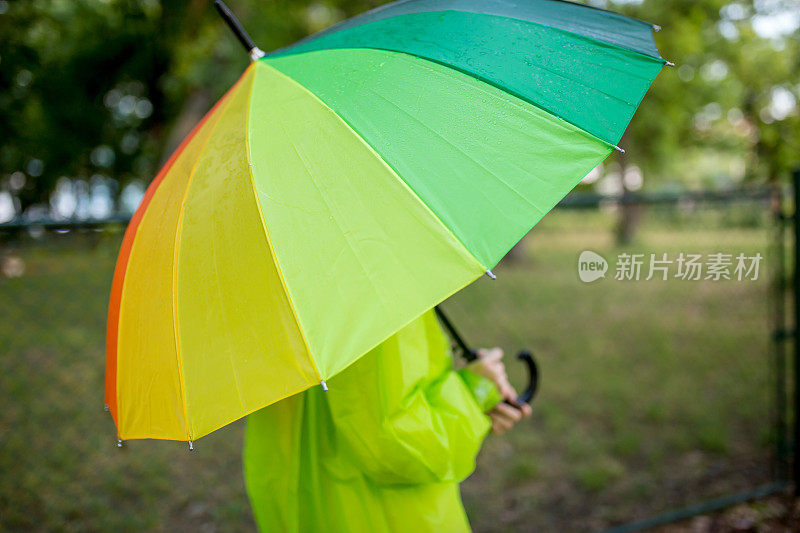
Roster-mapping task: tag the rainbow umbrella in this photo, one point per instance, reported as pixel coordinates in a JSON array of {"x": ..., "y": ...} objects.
[{"x": 348, "y": 183}]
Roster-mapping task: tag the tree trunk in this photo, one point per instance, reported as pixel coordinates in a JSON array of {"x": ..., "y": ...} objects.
[{"x": 629, "y": 212}]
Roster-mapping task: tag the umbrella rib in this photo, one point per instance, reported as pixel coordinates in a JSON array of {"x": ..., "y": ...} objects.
[
  {"x": 383, "y": 161},
  {"x": 595, "y": 41},
  {"x": 269, "y": 240},
  {"x": 304, "y": 160},
  {"x": 457, "y": 148},
  {"x": 176, "y": 249},
  {"x": 589, "y": 31}
]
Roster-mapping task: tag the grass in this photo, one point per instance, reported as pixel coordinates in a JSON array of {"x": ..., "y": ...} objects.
[{"x": 653, "y": 393}]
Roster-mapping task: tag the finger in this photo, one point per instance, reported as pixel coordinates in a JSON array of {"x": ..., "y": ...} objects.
[
  {"x": 503, "y": 417},
  {"x": 490, "y": 355},
  {"x": 511, "y": 413},
  {"x": 505, "y": 422},
  {"x": 500, "y": 424},
  {"x": 507, "y": 391},
  {"x": 523, "y": 408},
  {"x": 498, "y": 376}
]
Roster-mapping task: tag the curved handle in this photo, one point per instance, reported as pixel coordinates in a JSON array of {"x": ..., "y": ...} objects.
[
  {"x": 533, "y": 378},
  {"x": 471, "y": 355}
]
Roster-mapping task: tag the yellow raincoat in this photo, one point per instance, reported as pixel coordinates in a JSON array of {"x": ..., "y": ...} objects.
[{"x": 383, "y": 450}]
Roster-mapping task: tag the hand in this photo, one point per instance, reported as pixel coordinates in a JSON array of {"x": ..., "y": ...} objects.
[{"x": 490, "y": 365}]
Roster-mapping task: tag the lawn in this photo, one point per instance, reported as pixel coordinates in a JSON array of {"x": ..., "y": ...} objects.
[{"x": 653, "y": 393}]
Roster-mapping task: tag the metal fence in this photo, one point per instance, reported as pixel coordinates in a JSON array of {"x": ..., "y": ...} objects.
[{"x": 660, "y": 398}]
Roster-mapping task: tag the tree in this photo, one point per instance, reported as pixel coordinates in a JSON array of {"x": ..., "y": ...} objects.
[
  {"x": 720, "y": 95},
  {"x": 109, "y": 88}
]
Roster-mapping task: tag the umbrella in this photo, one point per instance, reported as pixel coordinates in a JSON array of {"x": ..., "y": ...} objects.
[{"x": 348, "y": 183}]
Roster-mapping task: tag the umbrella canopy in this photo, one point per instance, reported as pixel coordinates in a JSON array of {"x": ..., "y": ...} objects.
[{"x": 347, "y": 184}]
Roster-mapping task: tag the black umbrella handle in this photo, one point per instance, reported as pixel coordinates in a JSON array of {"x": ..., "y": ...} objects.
[
  {"x": 533, "y": 377},
  {"x": 471, "y": 355}
]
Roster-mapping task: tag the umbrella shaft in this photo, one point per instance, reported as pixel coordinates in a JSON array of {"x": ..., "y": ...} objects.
[
  {"x": 234, "y": 24},
  {"x": 468, "y": 353}
]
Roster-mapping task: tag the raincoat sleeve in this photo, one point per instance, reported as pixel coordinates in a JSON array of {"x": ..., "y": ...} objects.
[
  {"x": 407, "y": 417},
  {"x": 483, "y": 391}
]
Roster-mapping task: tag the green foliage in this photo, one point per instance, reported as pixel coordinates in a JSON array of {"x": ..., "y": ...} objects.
[
  {"x": 717, "y": 98},
  {"x": 109, "y": 87},
  {"x": 60, "y": 60},
  {"x": 94, "y": 87}
]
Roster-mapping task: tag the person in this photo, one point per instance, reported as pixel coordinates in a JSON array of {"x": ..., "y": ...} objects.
[{"x": 385, "y": 447}]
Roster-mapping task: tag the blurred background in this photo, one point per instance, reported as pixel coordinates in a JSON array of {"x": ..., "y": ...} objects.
[{"x": 656, "y": 395}]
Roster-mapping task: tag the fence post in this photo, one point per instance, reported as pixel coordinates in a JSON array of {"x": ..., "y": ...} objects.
[
  {"x": 781, "y": 332},
  {"x": 796, "y": 358}
]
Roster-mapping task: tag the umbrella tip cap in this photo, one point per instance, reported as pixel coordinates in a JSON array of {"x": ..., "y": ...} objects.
[
  {"x": 256, "y": 53},
  {"x": 324, "y": 385},
  {"x": 490, "y": 274},
  {"x": 191, "y": 446}
]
